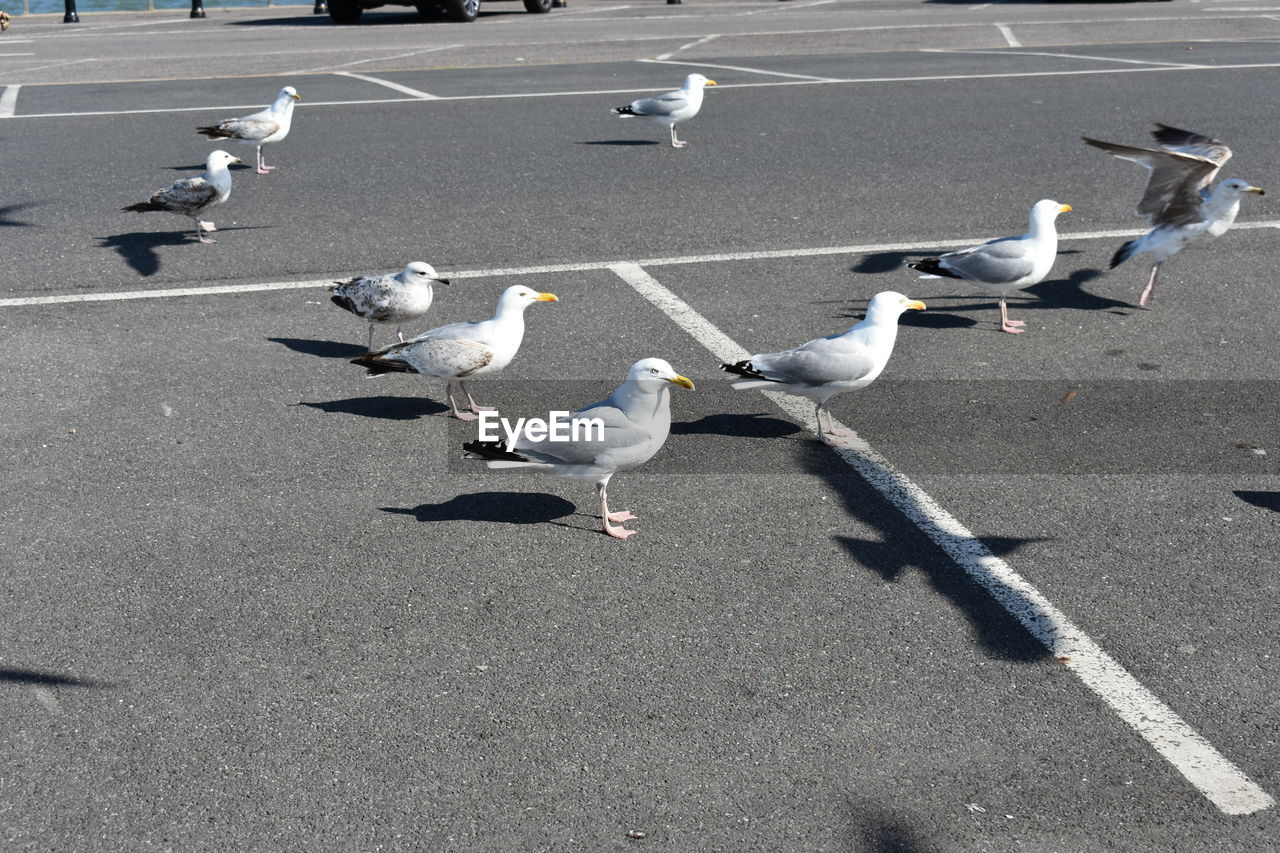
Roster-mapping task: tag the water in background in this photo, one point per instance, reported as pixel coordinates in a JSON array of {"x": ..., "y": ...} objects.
[{"x": 14, "y": 7}]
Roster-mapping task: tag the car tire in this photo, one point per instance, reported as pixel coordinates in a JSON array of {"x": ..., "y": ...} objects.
[
  {"x": 461, "y": 11},
  {"x": 345, "y": 11},
  {"x": 538, "y": 6}
]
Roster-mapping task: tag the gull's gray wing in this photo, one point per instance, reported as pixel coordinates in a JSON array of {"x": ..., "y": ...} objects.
[
  {"x": 621, "y": 434},
  {"x": 1189, "y": 142},
  {"x": 816, "y": 363},
  {"x": 662, "y": 105},
  {"x": 1173, "y": 194},
  {"x": 252, "y": 128},
  {"x": 188, "y": 196},
  {"x": 1002, "y": 261},
  {"x": 444, "y": 357},
  {"x": 370, "y": 296}
]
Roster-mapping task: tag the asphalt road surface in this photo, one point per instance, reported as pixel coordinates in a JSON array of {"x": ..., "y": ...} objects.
[{"x": 254, "y": 601}]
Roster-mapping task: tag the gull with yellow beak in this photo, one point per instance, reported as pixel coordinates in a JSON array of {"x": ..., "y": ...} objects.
[
  {"x": 635, "y": 421},
  {"x": 672, "y": 108},
  {"x": 1178, "y": 204},
  {"x": 1007, "y": 264},
  {"x": 461, "y": 350},
  {"x": 822, "y": 368},
  {"x": 262, "y": 128}
]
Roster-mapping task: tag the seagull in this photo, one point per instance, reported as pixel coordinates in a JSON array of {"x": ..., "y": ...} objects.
[
  {"x": 1178, "y": 204},
  {"x": 1005, "y": 265},
  {"x": 193, "y": 196},
  {"x": 392, "y": 298},
  {"x": 671, "y": 108},
  {"x": 261, "y": 128},
  {"x": 820, "y": 369},
  {"x": 636, "y": 419},
  {"x": 461, "y": 350}
]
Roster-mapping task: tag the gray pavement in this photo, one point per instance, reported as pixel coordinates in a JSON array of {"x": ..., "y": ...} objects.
[{"x": 256, "y": 602}]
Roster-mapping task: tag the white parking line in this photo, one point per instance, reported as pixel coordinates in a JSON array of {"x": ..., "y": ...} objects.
[
  {"x": 1224, "y": 784},
  {"x": 1065, "y": 56},
  {"x": 684, "y": 47},
  {"x": 584, "y": 266},
  {"x": 1008, "y": 35},
  {"x": 9, "y": 101},
  {"x": 423, "y": 96},
  {"x": 744, "y": 69}
]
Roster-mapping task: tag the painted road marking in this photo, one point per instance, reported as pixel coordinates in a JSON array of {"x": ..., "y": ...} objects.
[
  {"x": 1066, "y": 56},
  {"x": 1008, "y": 35},
  {"x": 586, "y": 266},
  {"x": 684, "y": 47},
  {"x": 747, "y": 70},
  {"x": 423, "y": 96},
  {"x": 8, "y": 101},
  {"x": 1224, "y": 784}
]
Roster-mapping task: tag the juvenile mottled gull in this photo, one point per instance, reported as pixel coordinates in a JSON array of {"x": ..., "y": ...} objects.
[
  {"x": 1178, "y": 204},
  {"x": 461, "y": 350},
  {"x": 193, "y": 196},
  {"x": 636, "y": 419},
  {"x": 393, "y": 298},
  {"x": 671, "y": 108},
  {"x": 842, "y": 362},
  {"x": 1005, "y": 265},
  {"x": 262, "y": 128}
]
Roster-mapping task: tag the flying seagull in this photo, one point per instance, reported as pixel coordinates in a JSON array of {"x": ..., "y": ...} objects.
[
  {"x": 820, "y": 369},
  {"x": 193, "y": 196},
  {"x": 1178, "y": 203},
  {"x": 262, "y": 128},
  {"x": 636, "y": 419},
  {"x": 1005, "y": 265},
  {"x": 393, "y": 298},
  {"x": 671, "y": 108},
  {"x": 461, "y": 350}
]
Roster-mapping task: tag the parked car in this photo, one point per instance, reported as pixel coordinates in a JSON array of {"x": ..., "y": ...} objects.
[{"x": 463, "y": 11}]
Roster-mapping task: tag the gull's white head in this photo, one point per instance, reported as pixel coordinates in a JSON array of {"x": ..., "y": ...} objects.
[
  {"x": 288, "y": 93},
  {"x": 1050, "y": 208},
  {"x": 1237, "y": 187},
  {"x": 890, "y": 304},
  {"x": 521, "y": 297},
  {"x": 697, "y": 81},
  {"x": 423, "y": 272},
  {"x": 657, "y": 370},
  {"x": 219, "y": 159}
]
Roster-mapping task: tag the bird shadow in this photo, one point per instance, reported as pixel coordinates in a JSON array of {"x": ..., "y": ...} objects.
[
  {"x": 900, "y": 546},
  {"x": 743, "y": 426},
  {"x": 47, "y": 679},
  {"x": 384, "y": 407},
  {"x": 1069, "y": 292},
  {"x": 928, "y": 319},
  {"x": 493, "y": 508},
  {"x": 139, "y": 248},
  {"x": 1263, "y": 500},
  {"x": 6, "y": 215},
  {"x": 199, "y": 167},
  {"x": 323, "y": 349},
  {"x": 620, "y": 142},
  {"x": 882, "y": 832}
]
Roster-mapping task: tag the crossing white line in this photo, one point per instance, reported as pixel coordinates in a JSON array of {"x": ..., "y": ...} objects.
[
  {"x": 1065, "y": 56},
  {"x": 586, "y": 266},
  {"x": 9, "y": 101},
  {"x": 1219, "y": 780},
  {"x": 1008, "y": 35},
  {"x": 744, "y": 69},
  {"x": 691, "y": 44},
  {"x": 424, "y": 96}
]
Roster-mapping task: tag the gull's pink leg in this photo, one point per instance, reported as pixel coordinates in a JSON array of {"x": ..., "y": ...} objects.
[
  {"x": 606, "y": 516},
  {"x": 370, "y": 337},
  {"x": 1007, "y": 325},
  {"x": 263, "y": 168},
  {"x": 462, "y": 416},
  {"x": 202, "y": 227},
  {"x": 676, "y": 143},
  {"x": 1151, "y": 286},
  {"x": 472, "y": 402},
  {"x": 828, "y": 435},
  {"x": 399, "y": 334}
]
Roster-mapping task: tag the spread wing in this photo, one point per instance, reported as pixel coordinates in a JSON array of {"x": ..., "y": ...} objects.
[
  {"x": 1002, "y": 261},
  {"x": 1173, "y": 194}
]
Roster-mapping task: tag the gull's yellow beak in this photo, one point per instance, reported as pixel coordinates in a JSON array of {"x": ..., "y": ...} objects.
[
  {"x": 915, "y": 305},
  {"x": 1256, "y": 190},
  {"x": 546, "y": 297},
  {"x": 296, "y": 96},
  {"x": 235, "y": 160},
  {"x": 1064, "y": 208},
  {"x": 681, "y": 381},
  {"x": 711, "y": 82}
]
